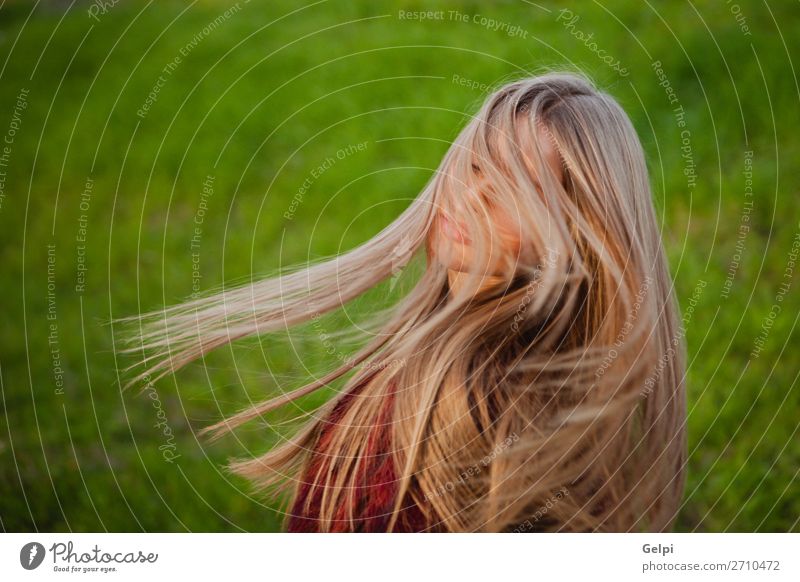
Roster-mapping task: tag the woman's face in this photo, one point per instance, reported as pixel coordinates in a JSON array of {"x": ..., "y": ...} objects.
[{"x": 451, "y": 243}]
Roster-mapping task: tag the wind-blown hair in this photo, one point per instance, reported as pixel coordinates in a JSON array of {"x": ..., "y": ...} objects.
[{"x": 563, "y": 381}]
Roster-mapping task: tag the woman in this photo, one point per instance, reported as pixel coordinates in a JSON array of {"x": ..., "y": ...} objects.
[{"x": 532, "y": 380}]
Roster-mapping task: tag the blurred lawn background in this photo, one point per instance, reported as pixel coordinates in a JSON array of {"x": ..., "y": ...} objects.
[{"x": 260, "y": 98}]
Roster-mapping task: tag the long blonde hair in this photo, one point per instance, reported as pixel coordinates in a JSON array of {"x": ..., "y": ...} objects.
[{"x": 552, "y": 401}]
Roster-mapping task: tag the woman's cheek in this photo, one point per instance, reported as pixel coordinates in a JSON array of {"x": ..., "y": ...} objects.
[{"x": 460, "y": 256}]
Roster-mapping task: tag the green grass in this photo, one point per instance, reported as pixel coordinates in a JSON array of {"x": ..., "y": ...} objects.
[{"x": 259, "y": 103}]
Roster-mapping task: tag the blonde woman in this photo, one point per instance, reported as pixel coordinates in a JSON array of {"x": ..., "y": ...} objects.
[{"x": 532, "y": 380}]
